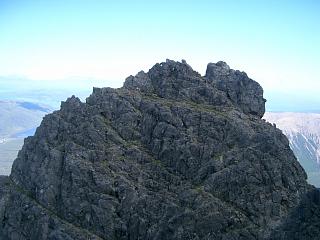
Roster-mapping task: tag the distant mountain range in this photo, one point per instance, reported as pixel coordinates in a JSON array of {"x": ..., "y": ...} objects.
[
  {"x": 17, "y": 121},
  {"x": 46, "y": 91},
  {"x": 303, "y": 132}
]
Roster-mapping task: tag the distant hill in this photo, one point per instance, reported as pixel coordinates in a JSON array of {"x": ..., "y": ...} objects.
[
  {"x": 303, "y": 132},
  {"x": 17, "y": 121},
  {"x": 44, "y": 91}
]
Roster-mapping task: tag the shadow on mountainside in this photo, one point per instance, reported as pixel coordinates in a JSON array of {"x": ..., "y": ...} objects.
[{"x": 303, "y": 222}]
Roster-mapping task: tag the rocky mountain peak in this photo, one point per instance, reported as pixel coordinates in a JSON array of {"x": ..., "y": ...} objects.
[
  {"x": 171, "y": 68},
  {"x": 215, "y": 70},
  {"x": 240, "y": 89},
  {"x": 72, "y": 101},
  {"x": 170, "y": 155},
  {"x": 221, "y": 86}
]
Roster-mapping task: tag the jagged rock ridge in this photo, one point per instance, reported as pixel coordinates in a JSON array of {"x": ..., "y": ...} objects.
[{"x": 170, "y": 155}]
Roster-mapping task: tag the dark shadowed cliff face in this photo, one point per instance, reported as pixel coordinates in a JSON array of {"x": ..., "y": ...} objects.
[{"x": 170, "y": 155}]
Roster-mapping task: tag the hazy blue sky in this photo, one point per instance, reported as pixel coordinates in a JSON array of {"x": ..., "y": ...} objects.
[{"x": 276, "y": 42}]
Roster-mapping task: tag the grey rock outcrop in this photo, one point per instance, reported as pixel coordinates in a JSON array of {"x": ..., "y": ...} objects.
[
  {"x": 170, "y": 155},
  {"x": 240, "y": 89}
]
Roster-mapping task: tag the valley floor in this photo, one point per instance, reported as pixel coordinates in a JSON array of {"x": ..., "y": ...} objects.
[{"x": 8, "y": 152}]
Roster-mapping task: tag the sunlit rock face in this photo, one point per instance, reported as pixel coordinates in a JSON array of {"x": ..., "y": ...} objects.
[{"x": 170, "y": 155}]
